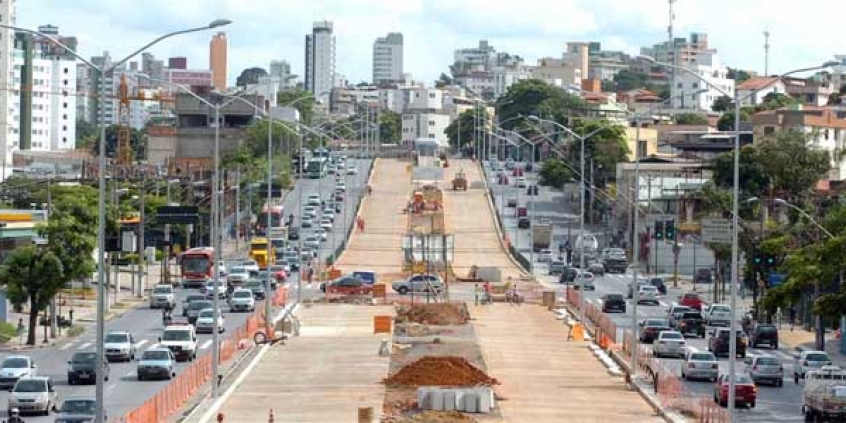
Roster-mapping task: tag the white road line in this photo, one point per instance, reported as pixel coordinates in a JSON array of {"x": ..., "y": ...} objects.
[
  {"x": 66, "y": 346},
  {"x": 130, "y": 374},
  {"x": 140, "y": 343},
  {"x": 663, "y": 304},
  {"x": 85, "y": 345},
  {"x": 206, "y": 344}
]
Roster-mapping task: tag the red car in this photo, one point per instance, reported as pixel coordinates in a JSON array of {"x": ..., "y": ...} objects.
[
  {"x": 347, "y": 285},
  {"x": 279, "y": 273},
  {"x": 745, "y": 391},
  {"x": 692, "y": 300}
]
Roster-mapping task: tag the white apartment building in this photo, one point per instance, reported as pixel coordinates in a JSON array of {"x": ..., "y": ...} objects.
[
  {"x": 425, "y": 125},
  {"x": 753, "y": 91},
  {"x": 708, "y": 67},
  {"x": 505, "y": 76},
  {"x": 557, "y": 72},
  {"x": 348, "y": 100},
  {"x": 320, "y": 60},
  {"x": 8, "y": 14},
  {"x": 388, "y": 58}
]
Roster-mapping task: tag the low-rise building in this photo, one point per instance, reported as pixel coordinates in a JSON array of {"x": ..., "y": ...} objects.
[
  {"x": 753, "y": 90},
  {"x": 684, "y": 93},
  {"x": 810, "y": 91}
]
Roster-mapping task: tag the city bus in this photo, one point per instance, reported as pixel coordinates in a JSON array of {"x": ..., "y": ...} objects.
[
  {"x": 197, "y": 265},
  {"x": 277, "y": 218},
  {"x": 318, "y": 167}
]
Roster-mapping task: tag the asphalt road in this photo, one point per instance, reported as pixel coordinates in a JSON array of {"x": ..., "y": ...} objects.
[{"x": 123, "y": 391}]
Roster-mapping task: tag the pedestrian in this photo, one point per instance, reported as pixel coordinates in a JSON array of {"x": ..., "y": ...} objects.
[
  {"x": 310, "y": 273},
  {"x": 362, "y": 224},
  {"x": 792, "y": 317},
  {"x": 476, "y": 292},
  {"x": 488, "y": 298}
]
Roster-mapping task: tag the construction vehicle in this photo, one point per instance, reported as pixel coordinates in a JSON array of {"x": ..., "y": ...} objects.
[
  {"x": 459, "y": 182},
  {"x": 541, "y": 235},
  {"x": 824, "y": 395}
]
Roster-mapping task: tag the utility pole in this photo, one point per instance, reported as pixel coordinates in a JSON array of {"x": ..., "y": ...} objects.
[
  {"x": 766, "y": 53},
  {"x": 592, "y": 191},
  {"x": 142, "y": 256},
  {"x": 671, "y": 47},
  {"x": 238, "y": 208},
  {"x": 53, "y": 323}
]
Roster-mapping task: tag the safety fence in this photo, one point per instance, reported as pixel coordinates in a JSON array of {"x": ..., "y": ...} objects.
[
  {"x": 166, "y": 402},
  {"x": 670, "y": 389}
]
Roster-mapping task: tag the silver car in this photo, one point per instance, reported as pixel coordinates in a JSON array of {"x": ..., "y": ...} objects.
[
  {"x": 34, "y": 395},
  {"x": 163, "y": 296},
  {"x": 700, "y": 365},
  {"x": 119, "y": 346},
  {"x": 156, "y": 363},
  {"x": 767, "y": 369},
  {"x": 238, "y": 275},
  {"x": 669, "y": 343},
  {"x": 15, "y": 367}
]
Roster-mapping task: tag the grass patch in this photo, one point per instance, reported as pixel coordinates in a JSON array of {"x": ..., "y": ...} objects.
[
  {"x": 75, "y": 331},
  {"x": 7, "y": 331}
]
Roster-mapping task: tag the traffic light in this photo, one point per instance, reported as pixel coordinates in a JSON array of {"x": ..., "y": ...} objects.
[
  {"x": 758, "y": 258},
  {"x": 769, "y": 260},
  {"x": 670, "y": 229},
  {"x": 659, "y": 229}
]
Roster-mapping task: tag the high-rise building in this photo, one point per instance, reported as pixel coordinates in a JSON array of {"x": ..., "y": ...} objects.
[
  {"x": 281, "y": 70},
  {"x": 47, "y": 48},
  {"x": 682, "y": 52},
  {"x": 177, "y": 63},
  {"x": 320, "y": 60},
  {"x": 387, "y": 58},
  {"x": 218, "y": 61},
  {"x": 8, "y": 12}
]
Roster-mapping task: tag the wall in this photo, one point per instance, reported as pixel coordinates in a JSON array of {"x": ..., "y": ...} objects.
[{"x": 647, "y": 135}]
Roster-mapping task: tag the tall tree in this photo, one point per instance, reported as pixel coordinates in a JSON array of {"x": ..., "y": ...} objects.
[
  {"x": 304, "y": 103},
  {"x": 32, "y": 276},
  {"x": 536, "y": 97},
  {"x": 606, "y": 147},
  {"x": 722, "y": 104},
  {"x": 466, "y": 121},
  {"x": 726, "y": 122},
  {"x": 739, "y": 75},
  {"x": 250, "y": 76},
  {"x": 774, "y": 101},
  {"x": 443, "y": 81},
  {"x": 792, "y": 164},
  {"x": 555, "y": 173},
  {"x": 753, "y": 173},
  {"x": 627, "y": 80},
  {"x": 390, "y": 126}
]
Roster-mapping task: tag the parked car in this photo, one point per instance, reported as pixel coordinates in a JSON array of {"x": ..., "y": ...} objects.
[
  {"x": 347, "y": 285},
  {"x": 36, "y": 394},
  {"x": 808, "y": 361},
  {"x": 419, "y": 283},
  {"x": 78, "y": 410},
  {"x": 700, "y": 365},
  {"x": 613, "y": 301},
  {"x": 765, "y": 369},
  {"x": 764, "y": 333},
  {"x": 163, "y": 296},
  {"x": 691, "y": 322},
  {"x": 692, "y": 300},
  {"x": 669, "y": 343},
  {"x": 205, "y": 321},
  {"x": 647, "y": 294},
  {"x": 650, "y": 328},
  {"x": 15, "y": 367},
  {"x": 745, "y": 391},
  {"x": 718, "y": 343},
  {"x": 119, "y": 346},
  {"x": 82, "y": 368},
  {"x": 702, "y": 276},
  {"x": 156, "y": 363}
]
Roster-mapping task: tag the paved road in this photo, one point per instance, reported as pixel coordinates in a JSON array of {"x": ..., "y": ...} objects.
[{"x": 123, "y": 391}]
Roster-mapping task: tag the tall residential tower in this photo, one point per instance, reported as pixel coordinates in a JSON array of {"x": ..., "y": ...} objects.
[
  {"x": 218, "y": 61},
  {"x": 387, "y": 58},
  {"x": 320, "y": 60}
]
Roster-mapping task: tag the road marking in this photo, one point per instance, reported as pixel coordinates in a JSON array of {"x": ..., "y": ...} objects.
[
  {"x": 130, "y": 374},
  {"x": 140, "y": 343},
  {"x": 663, "y": 304},
  {"x": 66, "y": 346},
  {"x": 206, "y": 344},
  {"x": 85, "y": 345}
]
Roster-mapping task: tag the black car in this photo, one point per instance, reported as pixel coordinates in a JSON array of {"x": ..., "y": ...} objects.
[
  {"x": 293, "y": 233},
  {"x": 691, "y": 322},
  {"x": 718, "y": 343},
  {"x": 613, "y": 302},
  {"x": 82, "y": 368},
  {"x": 616, "y": 266},
  {"x": 702, "y": 276},
  {"x": 764, "y": 333},
  {"x": 659, "y": 283},
  {"x": 650, "y": 328},
  {"x": 568, "y": 275},
  {"x": 524, "y": 223}
]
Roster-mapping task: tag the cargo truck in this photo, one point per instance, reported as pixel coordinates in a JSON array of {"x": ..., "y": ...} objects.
[
  {"x": 541, "y": 235},
  {"x": 824, "y": 396}
]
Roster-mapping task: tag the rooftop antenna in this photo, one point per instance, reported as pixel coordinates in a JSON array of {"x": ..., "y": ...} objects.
[{"x": 766, "y": 53}]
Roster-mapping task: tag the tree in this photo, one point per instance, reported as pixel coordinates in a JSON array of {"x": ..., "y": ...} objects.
[
  {"x": 606, "y": 147},
  {"x": 536, "y": 97},
  {"x": 32, "y": 276},
  {"x": 86, "y": 134},
  {"x": 739, "y": 75},
  {"x": 304, "y": 102},
  {"x": 70, "y": 234},
  {"x": 775, "y": 100},
  {"x": 250, "y": 76},
  {"x": 792, "y": 164},
  {"x": 390, "y": 126},
  {"x": 608, "y": 86},
  {"x": 722, "y": 104},
  {"x": 443, "y": 81},
  {"x": 137, "y": 142},
  {"x": 753, "y": 176},
  {"x": 467, "y": 122},
  {"x": 691, "y": 119},
  {"x": 256, "y": 137},
  {"x": 555, "y": 173},
  {"x": 627, "y": 80},
  {"x": 726, "y": 122}
]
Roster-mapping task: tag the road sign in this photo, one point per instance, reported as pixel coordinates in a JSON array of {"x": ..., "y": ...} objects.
[
  {"x": 176, "y": 215},
  {"x": 716, "y": 231},
  {"x": 775, "y": 279}
]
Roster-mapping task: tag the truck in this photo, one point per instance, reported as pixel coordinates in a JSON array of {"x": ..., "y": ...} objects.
[
  {"x": 824, "y": 395},
  {"x": 541, "y": 235},
  {"x": 585, "y": 244},
  {"x": 262, "y": 252}
]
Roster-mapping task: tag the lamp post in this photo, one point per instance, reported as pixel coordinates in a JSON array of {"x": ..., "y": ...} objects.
[
  {"x": 101, "y": 220},
  {"x": 735, "y": 199}
]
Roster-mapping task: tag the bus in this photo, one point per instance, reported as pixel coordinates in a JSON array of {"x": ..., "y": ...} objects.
[
  {"x": 197, "y": 265},
  {"x": 321, "y": 153},
  {"x": 262, "y": 252},
  {"x": 318, "y": 167},
  {"x": 277, "y": 218}
]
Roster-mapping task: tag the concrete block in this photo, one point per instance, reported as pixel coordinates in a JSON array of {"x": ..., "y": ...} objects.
[
  {"x": 470, "y": 401},
  {"x": 437, "y": 400},
  {"x": 485, "y": 400},
  {"x": 424, "y": 397},
  {"x": 459, "y": 399},
  {"x": 449, "y": 396}
]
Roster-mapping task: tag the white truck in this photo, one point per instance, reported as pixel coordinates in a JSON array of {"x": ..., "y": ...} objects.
[
  {"x": 824, "y": 395},
  {"x": 181, "y": 340},
  {"x": 717, "y": 315},
  {"x": 587, "y": 244}
]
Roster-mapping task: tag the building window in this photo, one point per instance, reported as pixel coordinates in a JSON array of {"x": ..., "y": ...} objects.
[
  {"x": 769, "y": 130},
  {"x": 64, "y": 139},
  {"x": 65, "y": 117},
  {"x": 65, "y": 105}
]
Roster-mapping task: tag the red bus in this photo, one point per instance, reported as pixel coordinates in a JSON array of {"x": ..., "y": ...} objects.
[
  {"x": 197, "y": 266},
  {"x": 277, "y": 218}
]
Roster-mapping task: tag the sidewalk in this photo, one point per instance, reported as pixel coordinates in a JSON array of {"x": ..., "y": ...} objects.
[
  {"x": 545, "y": 378},
  {"x": 800, "y": 340}
]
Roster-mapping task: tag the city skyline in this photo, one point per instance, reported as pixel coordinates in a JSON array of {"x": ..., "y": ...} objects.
[{"x": 432, "y": 30}]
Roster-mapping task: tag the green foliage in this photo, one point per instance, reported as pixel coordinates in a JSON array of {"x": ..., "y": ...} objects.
[
  {"x": 792, "y": 164},
  {"x": 7, "y": 331},
  {"x": 137, "y": 141},
  {"x": 726, "y": 122},
  {"x": 722, "y": 104},
  {"x": 32, "y": 276},
  {"x": 304, "y": 102},
  {"x": 739, "y": 75},
  {"x": 555, "y": 173},
  {"x": 86, "y": 134},
  {"x": 608, "y": 86},
  {"x": 607, "y": 147},
  {"x": 691, "y": 119},
  {"x": 753, "y": 173},
  {"x": 443, "y": 81},
  {"x": 390, "y": 127},
  {"x": 467, "y": 122},
  {"x": 627, "y": 80},
  {"x": 250, "y": 76},
  {"x": 774, "y": 101},
  {"x": 283, "y": 135},
  {"x": 536, "y": 97}
]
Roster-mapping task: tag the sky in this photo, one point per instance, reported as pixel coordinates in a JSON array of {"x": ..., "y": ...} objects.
[{"x": 264, "y": 30}]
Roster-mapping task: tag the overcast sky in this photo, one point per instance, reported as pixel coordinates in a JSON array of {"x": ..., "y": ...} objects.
[{"x": 802, "y": 35}]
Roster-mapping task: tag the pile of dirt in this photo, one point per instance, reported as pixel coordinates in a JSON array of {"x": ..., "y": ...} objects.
[
  {"x": 431, "y": 416},
  {"x": 440, "y": 371},
  {"x": 434, "y": 314}
]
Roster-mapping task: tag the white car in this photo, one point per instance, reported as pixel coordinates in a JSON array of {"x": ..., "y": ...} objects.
[
  {"x": 15, "y": 367},
  {"x": 163, "y": 296},
  {"x": 34, "y": 395},
  {"x": 669, "y": 343},
  {"x": 341, "y": 187},
  {"x": 329, "y": 214},
  {"x": 221, "y": 265},
  {"x": 237, "y": 276},
  {"x": 326, "y": 224},
  {"x": 306, "y": 222},
  {"x": 251, "y": 266},
  {"x": 119, "y": 346},
  {"x": 310, "y": 211},
  {"x": 700, "y": 365},
  {"x": 156, "y": 363},
  {"x": 312, "y": 242},
  {"x": 352, "y": 170},
  {"x": 313, "y": 200},
  {"x": 205, "y": 321},
  {"x": 522, "y": 182},
  {"x": 242, "y": 299},
  {"x": 584, "y": 279},
  {"x": 647, "y": 294},
  {"x": 808, "y": 361},
  {"x": 545, "y": 256},
  {"x": 209, "y": 290},
  {"x": 181, "y": 340},
  {"x": 717, "y": 315},
  {"x": 322, "y": 234}
]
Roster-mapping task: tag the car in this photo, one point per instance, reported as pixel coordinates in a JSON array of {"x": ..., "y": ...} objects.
[
  {"x": 77, "y": 410},
  {"x": 326, "y": 224},
  {"x": 34, "y": 394},
  {"x": 313, "y": 200},
  {"x": 613, "y": 301},
  {"x": 352, "y": 170},
  {"x": 242, "y": 299},
  {"x": 650, "y": 328},
  {"x": 669, "y": 343},
  {"x": 15, "y": 367},
  {"x": 163, "y": 297},
  {"x": 511, "y": 202},
  {"x": 613, "y": 253},
  {"x": 280, "y": 271},
  {"x": 251, "y": 266},
  {"x": 310, "y": 211},
  {"x": 647, "y": 294},
  {"x": 311, "y": 242},
  {"x": 256, "y": 286},
  {"x": 556, "y": 267},
  {"x": 702, "y": 276},
  {"x": 597, "y": 268},
  {"x": 692, "y": 300},
  {"x": 659, "y": 283},
  {"x": 674, "y": 313},
  {"x": 584, "y": 279},
  {"x": 205, "y": 321},
  {"x": 745, "y": 391},
  {"x": 221, "y": 266},
  {"x": 524, "y": 223},
  {"x": 262, "y": 277},
  {"x": 293, "y": 233},
  {"x": 532, "y": 190},
  {"x": 307, "y": 222},
  {"x": 82, "y": 368},
  {"x": 237, "y": 275},
  {"x": 718, "y": 343},
  {"x": 293, "y": 263},
  {"x": 187, "y": 301},
  {"x": 341, "y": 187},
  {"x": 329, "y": 213},
  {"x": 808, "y": 361},
  {"x": 419, "y": 283},
  {"x": 210, "y": 289},
  {"x": 717, "y": 315},
  {"x": 640, "y": 282},
  {"x": 691, "y": 322},
  {"x": 195, "y": 307},
  {"x": 765, "y": 369},
  {"x": 119, "y": 346},
  {"x": 181, "y": 340},
  {"x": 522, "y": 182},
  {"x": 156, "y": 363},
  {"x": 568, "y": 275},
  {"x": 544, "y": 255},
  {"x": 322, "y": 235},
  {"x": 764, "y": 334},
  {"x": 347, "y": 285},
  {"x": 700, "y": 365}
]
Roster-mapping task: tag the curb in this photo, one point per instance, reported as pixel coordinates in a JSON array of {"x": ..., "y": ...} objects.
[
  {"x": 360, "y": 210},
  {"x": 492, "y": 209}
]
